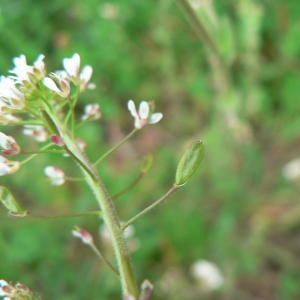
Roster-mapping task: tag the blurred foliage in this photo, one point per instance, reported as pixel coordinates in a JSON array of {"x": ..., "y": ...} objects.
[{"x": 237, "y": 211}]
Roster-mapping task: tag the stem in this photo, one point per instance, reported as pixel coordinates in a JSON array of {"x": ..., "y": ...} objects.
[
  {"x": 109, "y": 213},
  {"x": 136, "y": 181},
  {"x": 199, "y": 28},
  {"x": 99, "y": 254},
  {"x": 72, "y": 118},
  {"x": 34, "y": 155},
  {"x": 116, "y": 147},
  {"x": 42, "y": 151},
  {"x": 63, "y": 216},
  {"x": 74, "y": 179},
  {"x": 126, "y": 224}
]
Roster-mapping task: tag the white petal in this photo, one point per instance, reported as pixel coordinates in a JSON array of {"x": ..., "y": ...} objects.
[
  {"x": 86, "y": 74},
  {"x": 132, "y": 109},
  {"x": 49, "y": 83},
  {"x": 155, "y": 118},
  {"x": 144, "y": 110}
]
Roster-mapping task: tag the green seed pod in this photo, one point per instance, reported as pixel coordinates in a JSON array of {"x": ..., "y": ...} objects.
[
  {"x": 9, "y": 201},
  {"x": 189, "y": 162}
]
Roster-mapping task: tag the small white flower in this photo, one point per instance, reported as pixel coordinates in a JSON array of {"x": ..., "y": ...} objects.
[
  {"x": 10, "y": 94},
  {"x": 291, "y": 170},
  {"x": 208, "y": 274},
  {"x": 21, "y": 69},
  {"x": 39, "y": 67},
  {"x": 72, "y": 66},
  {"x": 85, "y": 77},
  {"x": 9, "y": 145},
  {"x": 56, "y": 175},
  {"x": 39, "y": 133},
  {"x": 81, "y": 78},
  {"x": 83, "y": 234},
  {"x": 7, "y": 166},
  {"x": 142, "y": 116},
  {"x": 92, "y": 112},
  {"x": 6, "y": 119},
  {"x": 58, "y": 85}
]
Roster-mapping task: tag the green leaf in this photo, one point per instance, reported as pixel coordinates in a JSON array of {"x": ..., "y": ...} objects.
[
  {"x": 9, "y": 201},
  {"x": 189, "y": 162}
]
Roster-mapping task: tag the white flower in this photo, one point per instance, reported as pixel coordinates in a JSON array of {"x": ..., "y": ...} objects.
[
  {"x": 72, "y": 66},
  {"x": 92, "y": 112},
  {"x": 7, "y": 166},
  {"x": 142, "y": 116},
  {"x": 83, "y": 234},
  {"x": 58, "y": 85},
  {"x": 10, "y": 95},
  {"x": 208, "y": 274},
  {"x": 6, "y": 119},
  {"x": 39, "y": 67},
  {"x": 39, "y": 133},
  {"x": 21, "y": 69},
  {"x": 85, "y": 77},
  {"x": 25, "y": 73},
  {"x": 9, "y": 145},
  {"x": 6, "y": 290},
  {"x": 56, "y": 175},
  {"x": 291, "y": 170}
]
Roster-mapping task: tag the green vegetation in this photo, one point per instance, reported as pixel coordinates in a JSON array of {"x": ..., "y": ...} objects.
[{"x": 226, "y": 74}]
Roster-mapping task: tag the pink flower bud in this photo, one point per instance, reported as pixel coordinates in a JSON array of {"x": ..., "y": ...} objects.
[{"x": 57, "y": 140}]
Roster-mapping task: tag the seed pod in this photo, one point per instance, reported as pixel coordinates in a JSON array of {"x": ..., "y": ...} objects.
[
  {"x": 189, "y": 162},
  {"x": 9, "y": 201}
]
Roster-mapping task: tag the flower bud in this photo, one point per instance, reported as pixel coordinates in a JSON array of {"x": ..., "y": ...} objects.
[
  {"x": 189, "y": 163},
  {"x": 9, "y": 201},
  {"x": 146, "y": 290}
]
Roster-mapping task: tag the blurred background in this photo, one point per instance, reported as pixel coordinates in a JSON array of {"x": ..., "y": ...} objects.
[{"x": 225, "y": 72}]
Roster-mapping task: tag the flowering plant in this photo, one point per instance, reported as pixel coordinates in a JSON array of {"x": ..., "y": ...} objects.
[{"x": 46, "y": 105}]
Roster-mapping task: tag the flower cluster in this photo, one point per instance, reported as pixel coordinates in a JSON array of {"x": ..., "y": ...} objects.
[
  {"x": 18, "y": 291},
  {"x": 30, "y": 91}
]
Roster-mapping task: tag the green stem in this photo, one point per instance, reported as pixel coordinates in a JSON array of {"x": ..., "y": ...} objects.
[
  {"x": 116, "y": 147},
  {"x": 126, "y": 224},
  {"x": 109, "y": 213},
  {"x": 134, "y": 183},
  {"x": 72, "y": 117},
  {"x": 63, "y": 216},
  {"x": 204, "y": 35},
  {"x": 34, "y": 155},
  {"x": 74, "y": 179},
  {"x": 42, "y": 151},
  {"x": 99, "y": 254}
]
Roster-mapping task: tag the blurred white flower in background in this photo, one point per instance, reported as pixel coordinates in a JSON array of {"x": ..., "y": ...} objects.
[
  {"x": 291, "y": 170},
  {"x": 109, "y": 11},
  {"x": 55, "y": 174},
  {"x": 208, "y": 275},
  {"x": 92, "y": 112},
  {"x": 39, "y": 133},
  {"x": 133, "y": 243},
  {"x": 7, "y": 166}
]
